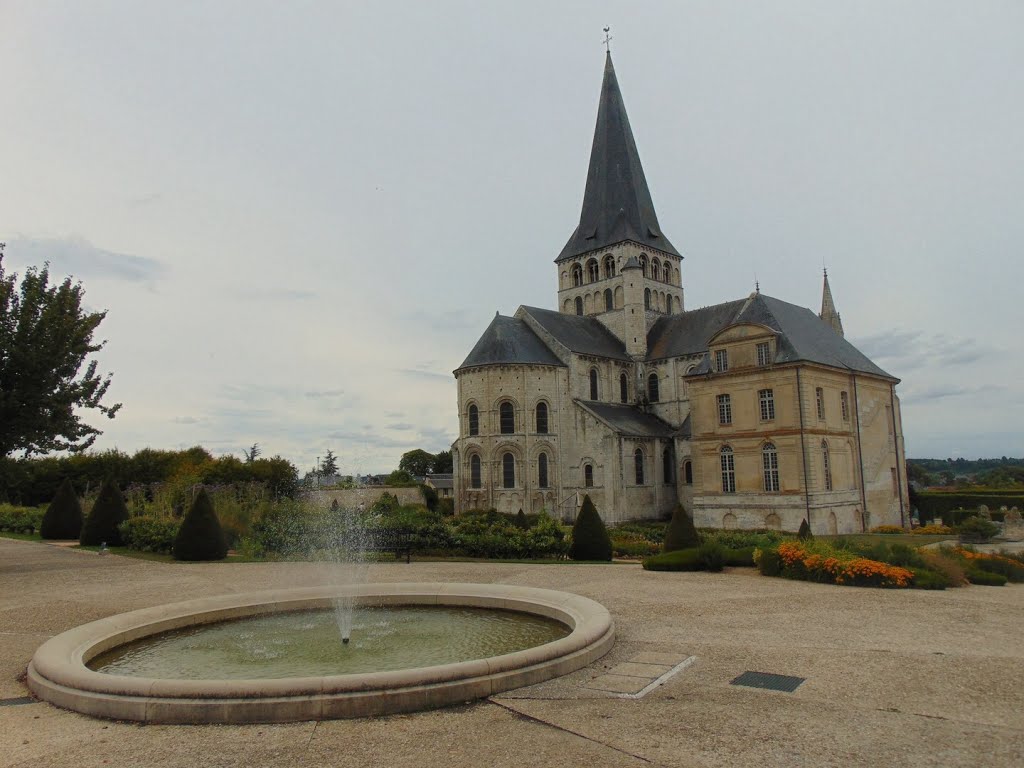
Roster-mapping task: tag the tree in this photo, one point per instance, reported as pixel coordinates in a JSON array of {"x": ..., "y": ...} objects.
[
  {"x": 252, "y": 453},
  {"x": 63, "y": 518},
  {"x": 45, "y": 337},
  {"x": 107, "y": 513},
  {"x": 329, "y": 466},
  {"x": 681, "y": 533},
  {"x": 417, "y": 462},
  {"x": 590, "y": 539},
  {"x": 200, "y": 536},
  {"x": 442, "y": 463}
]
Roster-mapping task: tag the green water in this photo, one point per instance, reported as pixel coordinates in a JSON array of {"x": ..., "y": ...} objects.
[{"x": 308, "y": 643}]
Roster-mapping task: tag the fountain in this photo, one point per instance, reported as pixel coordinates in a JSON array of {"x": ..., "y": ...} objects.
[{"x": 403, "y": 647}]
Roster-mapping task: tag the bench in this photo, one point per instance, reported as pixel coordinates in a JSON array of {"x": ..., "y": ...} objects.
[{"x": 397, "y": 542}]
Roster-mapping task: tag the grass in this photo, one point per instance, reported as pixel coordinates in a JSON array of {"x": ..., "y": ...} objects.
[
  {"x": 20, "y": 536},
  {"x": 913, "y": 540}
]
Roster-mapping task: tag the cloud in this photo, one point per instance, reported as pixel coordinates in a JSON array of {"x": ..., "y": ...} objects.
[
  {"x": 401, "y": 426},
  {"x": 423, "y": 371},
  {"x": 449, "y": 320},
  {"x": 187, "y": 420},
  {"x": 281, "y": 294},
  {"x": 941, "y": 392},
  {"x": 321, "y": 394},
  {"x": 147, "y": 198},
  {"x": 80, "y": 258},
  {"x": 909, "y": 350}
]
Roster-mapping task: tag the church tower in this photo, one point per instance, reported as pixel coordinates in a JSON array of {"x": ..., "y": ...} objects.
[
  {"x": 828, "y": 309},
  {"x": 617, "y": 265}
]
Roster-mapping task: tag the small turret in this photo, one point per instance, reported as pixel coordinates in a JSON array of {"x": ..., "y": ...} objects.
[{"x": 828, "y": 309}]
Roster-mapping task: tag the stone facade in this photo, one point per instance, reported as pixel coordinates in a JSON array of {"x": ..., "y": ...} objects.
[{"x": 755, "y": 413}]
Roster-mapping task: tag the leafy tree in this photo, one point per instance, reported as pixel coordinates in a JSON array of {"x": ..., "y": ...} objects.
[
  {"x": 252, "y": 453},
  {"x": 590, "y": 539},
  {"x": 45, "y": 337},
  {"x": 329, "y": 465},
  {"x": 200, "y": 536},
  {"x": 417, "y": 462},
  {"x": 108, "y": 512},
  {"x": 399, "y": 477},
  {"x": 442, "y": 463},
  {"x": 63, "y": 518},
  {"x": 681, "y": 533}
]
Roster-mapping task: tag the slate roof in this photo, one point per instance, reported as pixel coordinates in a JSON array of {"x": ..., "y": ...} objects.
[
  {"x": 617, "y": 204},
  {"x": 509, "y": 340},
  {"x": 581, "y": 334},
  {"x": 628, "y": 420},
  {"x": 802, "y": 336},
  {"x": 440, "y": 480}
]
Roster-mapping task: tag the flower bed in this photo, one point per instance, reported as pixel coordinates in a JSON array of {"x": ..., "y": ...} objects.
[{"x": 834, "y": 566}]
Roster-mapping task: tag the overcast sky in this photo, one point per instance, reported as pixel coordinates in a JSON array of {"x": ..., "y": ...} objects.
[{"x": 301, "y": 216}]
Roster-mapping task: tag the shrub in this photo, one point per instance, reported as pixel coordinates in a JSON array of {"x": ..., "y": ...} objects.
[
  {"x": 63, "y": 518},
  {"x": 711, "y": 556},
  {"x": 521, "y": 522},
  {"x": 927, "y": 579},
  {"x": 20, "y": 519},
  {"x": 1012, "y": 569},
  {"x": 768, "y": 561},
  {"x": 934, "y": 530},
  {"x": 681, "y": 534},
  {"x": 829, "y": 565},
  {"x": 887, "y": 529},
  {"x": 951, "y": 567},
  {"x": 200, "y": 536},
  {"x": 977, "y": 529},
  {"x": 148, "y": 533},
  {"x": 590, "y": 540},
  {"x": 629, "y": 544},
  {"x": 986, "y": 579},
  {"x": 676, "y": 560},
  {"x": 744, "y": 539},
  {"x": 805, "y": 531},
  {"x": 107, "y": 513},
  {"x": 446, "y": 506},
  {"x": 742, "y": 557}
]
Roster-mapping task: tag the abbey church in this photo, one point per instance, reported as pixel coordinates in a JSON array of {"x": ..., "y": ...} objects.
[{"x": 755, "y": 413}]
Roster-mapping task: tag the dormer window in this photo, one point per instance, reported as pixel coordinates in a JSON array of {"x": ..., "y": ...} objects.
[
  {"x": 721, "y": 360},
  {"x": 763, "y": 353}
]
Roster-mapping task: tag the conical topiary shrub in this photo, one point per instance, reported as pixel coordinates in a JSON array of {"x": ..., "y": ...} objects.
[
  {"x": 63, "y": 518},
  {"x": 590, "y": 540},
  {"x": 521, "y": 522},
  {"x": 107, "y": 513},
  {"x": 680, "y": 534},
  {"x": 805, "y": 530},
  {"x": 200, "y": 536}
]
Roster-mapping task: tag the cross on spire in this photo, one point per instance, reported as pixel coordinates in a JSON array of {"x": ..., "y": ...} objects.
[{"x": 607, "y": 39}]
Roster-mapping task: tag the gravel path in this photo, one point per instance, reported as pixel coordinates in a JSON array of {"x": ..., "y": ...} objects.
[{"x": 893, "y": 678}]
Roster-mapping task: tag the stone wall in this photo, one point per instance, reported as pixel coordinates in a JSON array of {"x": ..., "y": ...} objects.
[{"x": 351, "y": 498}]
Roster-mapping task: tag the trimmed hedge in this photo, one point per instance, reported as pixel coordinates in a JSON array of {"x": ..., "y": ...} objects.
[
  {"x": 63, "y": 518},
  {"x": 108, "y": 512},
  {"x": 681, "y": 533},
  {"x": 954, "y": 508},
  {"x": 150, "y": 534},
  {"x": 707, "y": 557},
  {"x": 590, "y": 540},
  {"x": 986, "y": 579},
  {"x": 200, "y": 536}
]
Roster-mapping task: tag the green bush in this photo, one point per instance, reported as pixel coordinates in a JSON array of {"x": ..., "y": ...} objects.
[
  {"x": 954, "y": 508},
  {"x": 521, "y": 522},
  {"x": 1011, "y": 569},
  {"x": 148, "y": 533},
  {"x": 63, "y": 518},
  {"x": 928, "y": 579},
  {"x": 985, "y": 578},
  {"x": 711, "y": 556},
  {"x": 707, "y": 557},
  {"x": 629, "y": 544},
  {"x": 446, "y": 506},
  {"x": 681, "y": 533},
  {"x": 107, "y": 513},
  {"x": 742, "y": 557},
  {"x": 676, "y": 560},
  {"x": 768, "y": 561},
  {"x": 20, "y": 519},
  {"x": 742, "y": 539},
  {"x": 590, "y": 540},
  {"x": 200, "y": 536},
  {"x": 976, "y": 529},
  {"x": 804, "y": 532}
]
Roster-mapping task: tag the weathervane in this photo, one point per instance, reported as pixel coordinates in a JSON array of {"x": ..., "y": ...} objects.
[{"x": 607, "y": 39}]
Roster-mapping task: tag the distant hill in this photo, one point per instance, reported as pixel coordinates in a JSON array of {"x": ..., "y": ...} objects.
[{"x": 1005, "y": 472}]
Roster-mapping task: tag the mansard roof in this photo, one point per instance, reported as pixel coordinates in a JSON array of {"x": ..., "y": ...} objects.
[
  {"x": 508, "y": 340},
  {"x": 617, "y": 204},
  {"x": 580, "y": 334},
  {"x": 628, "y": 420},
  {"x": 802, "y": 335}
]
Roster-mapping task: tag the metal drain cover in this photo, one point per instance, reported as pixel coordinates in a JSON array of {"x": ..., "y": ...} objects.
[
  {"x": 17, "y": 701},
  {"x": 769, "y": 681}
]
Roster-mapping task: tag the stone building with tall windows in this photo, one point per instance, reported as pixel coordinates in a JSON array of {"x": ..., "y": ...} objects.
[{"x": 755, "y": 413}]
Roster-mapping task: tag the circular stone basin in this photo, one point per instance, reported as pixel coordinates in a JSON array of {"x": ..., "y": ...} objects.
[{"x": 85, "y": 669}]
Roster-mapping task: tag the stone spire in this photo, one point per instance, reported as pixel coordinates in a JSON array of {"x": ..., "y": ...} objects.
[
  {"x": 617, "y": 204},
  {"x": 828, "y": 309}
]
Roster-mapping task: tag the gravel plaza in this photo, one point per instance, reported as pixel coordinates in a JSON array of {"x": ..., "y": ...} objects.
[{"x": 890, "y": 677}]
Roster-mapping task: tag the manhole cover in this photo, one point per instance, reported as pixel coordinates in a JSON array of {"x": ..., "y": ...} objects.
[
  {"x": 17, "y": 701},
  {"x": 769, "y": 681}
]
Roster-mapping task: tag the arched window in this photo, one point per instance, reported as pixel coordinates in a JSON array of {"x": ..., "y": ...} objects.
[
  {"x": 623, "y": 388},
  {"x": 588, "y": 476},
  {"x": 688, "y": 472},
  {"x": 508, "y": 471},
  {"x": 728, "y": 470},
  {"x": 826, "y": 465},
  {"x": 507, "y": 415},
  {"x": 609, "y": 266},
  {"x": 666, "y": 466},
  {"x": 647, "y": 298},
  {"x": 643, "y": 263},
  {"x": 474, "y": 420},
  {"x": 579, "y": 305},
  {"x": 609, "y": 301},
  {"x": 656, "y": 270},
  {"x": 593, "y": 383},
  {"x": 638, "y": 466},
  {"x": 770, "y": 463},
  {"x": 474, "y": 471},
  {"x": 577, "y": 274},
  {"x": 542, "y": 470},
  {"x": 542, "y": 418},
  {"x": 652, "y": 387},
  {"x": 592, "y": 272}
]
